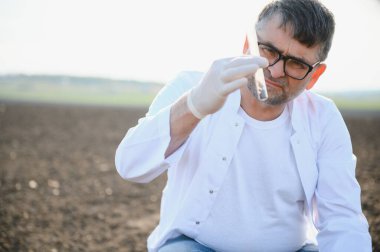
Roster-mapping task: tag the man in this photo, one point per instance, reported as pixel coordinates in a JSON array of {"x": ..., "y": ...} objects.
[{"x": 252, "y": 175}]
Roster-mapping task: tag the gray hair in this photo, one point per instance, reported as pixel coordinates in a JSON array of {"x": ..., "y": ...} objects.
[{"x": 310, "y": 21}]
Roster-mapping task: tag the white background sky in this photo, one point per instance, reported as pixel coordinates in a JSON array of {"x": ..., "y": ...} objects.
[{"x": 154, "y": 40}]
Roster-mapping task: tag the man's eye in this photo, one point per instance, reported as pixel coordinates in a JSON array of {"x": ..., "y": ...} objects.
[
  {"x": 296, "y": 64},
  {"x": 268, "y": 51}
]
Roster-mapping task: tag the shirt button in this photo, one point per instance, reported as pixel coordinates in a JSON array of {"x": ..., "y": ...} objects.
[
  {"x": 197, "y": 222},
  {"x": 236, "y": 124},
  {"x": 211, "y": 191},
  {"x": 224, "y": 158}
]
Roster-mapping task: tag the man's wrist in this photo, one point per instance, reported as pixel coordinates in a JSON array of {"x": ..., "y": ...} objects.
[{"x": 192, "y": 108}]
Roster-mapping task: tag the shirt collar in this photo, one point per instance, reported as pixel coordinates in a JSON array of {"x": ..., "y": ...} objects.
[{"x": 295, "y": 112}]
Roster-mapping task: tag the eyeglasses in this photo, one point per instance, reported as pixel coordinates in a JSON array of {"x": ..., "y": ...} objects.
[{"x": 293, "y": 67}]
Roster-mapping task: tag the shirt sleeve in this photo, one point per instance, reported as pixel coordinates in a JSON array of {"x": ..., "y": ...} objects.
[
  {"x": 140, "y": 157},
  {"x": 338, "y": 217}
]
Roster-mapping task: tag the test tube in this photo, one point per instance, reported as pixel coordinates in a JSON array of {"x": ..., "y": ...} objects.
[{"x": 258, "y": 78}]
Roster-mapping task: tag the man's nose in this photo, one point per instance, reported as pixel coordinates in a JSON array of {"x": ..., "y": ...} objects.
[{"x": 277, "y": 70}]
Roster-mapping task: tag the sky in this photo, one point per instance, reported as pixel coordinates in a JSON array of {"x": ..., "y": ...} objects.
[{"x": 154, "y": 40}]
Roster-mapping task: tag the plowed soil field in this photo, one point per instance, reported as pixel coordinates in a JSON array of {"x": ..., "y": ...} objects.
[{"x": 59, "y": 190}]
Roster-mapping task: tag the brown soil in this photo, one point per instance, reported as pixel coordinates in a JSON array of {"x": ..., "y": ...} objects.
[{"x": 59, "y": 190}]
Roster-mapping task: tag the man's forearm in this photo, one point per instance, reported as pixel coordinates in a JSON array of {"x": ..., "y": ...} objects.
[
  {"x": 224, "y": 77},
  {"x": 182, "y": 123}
]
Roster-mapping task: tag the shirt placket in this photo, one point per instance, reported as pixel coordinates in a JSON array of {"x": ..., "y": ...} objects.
[{"x": 213, "y": 170}]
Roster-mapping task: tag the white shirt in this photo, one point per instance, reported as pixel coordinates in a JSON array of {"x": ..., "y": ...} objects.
[
  {"x": 320, "y": 144},
  {"x": 261, "y": 191}
]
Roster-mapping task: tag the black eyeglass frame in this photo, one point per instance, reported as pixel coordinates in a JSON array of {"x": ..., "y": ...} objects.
[{"x": 285, "y": 58}]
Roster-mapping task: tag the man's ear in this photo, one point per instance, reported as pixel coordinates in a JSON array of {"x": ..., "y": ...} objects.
[
  {"x": 246, "y": 46},
  {"x": 317, "y": 73}
]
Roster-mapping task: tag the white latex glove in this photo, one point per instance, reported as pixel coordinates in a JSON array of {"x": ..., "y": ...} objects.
[{"x": 224, "y": 77}]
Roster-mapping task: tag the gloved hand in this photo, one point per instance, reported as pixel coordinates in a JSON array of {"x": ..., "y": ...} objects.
[{"x": 224, "y": 77}]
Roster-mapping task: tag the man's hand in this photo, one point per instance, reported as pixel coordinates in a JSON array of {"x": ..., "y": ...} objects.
[{"x": 224, "y": 77}]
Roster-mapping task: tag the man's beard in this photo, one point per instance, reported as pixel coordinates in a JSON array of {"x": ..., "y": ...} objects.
[{"x": 273, "y": 99}]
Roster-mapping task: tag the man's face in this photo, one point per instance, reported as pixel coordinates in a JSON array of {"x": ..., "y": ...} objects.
[{"x": 282, "y": 88}]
